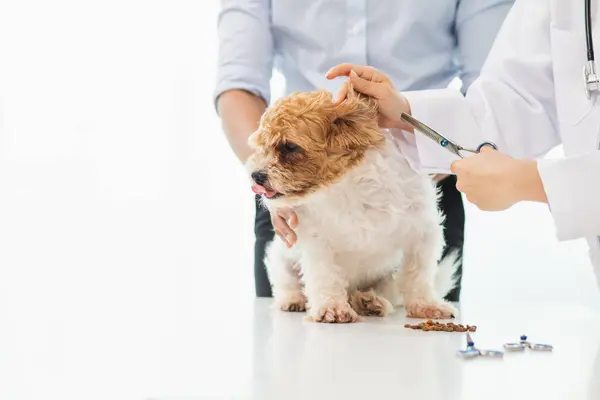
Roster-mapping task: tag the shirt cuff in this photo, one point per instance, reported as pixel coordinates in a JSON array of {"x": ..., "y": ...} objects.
[
  {"x": 573, "y": 194},
  {"x": 240, "y": 84},
  {"x": 446, "y": 112}
]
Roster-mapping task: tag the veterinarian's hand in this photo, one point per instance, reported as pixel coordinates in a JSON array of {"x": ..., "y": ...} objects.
[
  {"x": 494, "y": 181},
  {"x": 371, "y": 82},
  {"x": 284, "y": 220}
]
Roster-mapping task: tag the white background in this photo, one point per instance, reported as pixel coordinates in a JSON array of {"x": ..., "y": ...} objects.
[{"x": 126, "y": 224}]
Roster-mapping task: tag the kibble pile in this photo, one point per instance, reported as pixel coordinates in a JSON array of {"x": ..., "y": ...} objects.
[{"x": 438, "y": 326}]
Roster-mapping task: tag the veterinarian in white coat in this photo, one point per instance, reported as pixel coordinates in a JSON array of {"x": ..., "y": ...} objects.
[{"x": 530, "y": 97}]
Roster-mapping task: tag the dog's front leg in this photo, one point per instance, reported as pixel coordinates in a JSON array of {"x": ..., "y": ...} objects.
[
  {"x": 416, "y": 281},
  {"x": 325, "y": 286},
  {"x": 282, "y": 266}
]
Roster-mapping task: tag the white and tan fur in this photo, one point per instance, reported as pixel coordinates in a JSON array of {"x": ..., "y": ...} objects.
[{"x": 368, "y": 240}]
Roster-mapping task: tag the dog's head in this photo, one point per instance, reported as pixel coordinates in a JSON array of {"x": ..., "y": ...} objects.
[{"x": 306, "y": 142}]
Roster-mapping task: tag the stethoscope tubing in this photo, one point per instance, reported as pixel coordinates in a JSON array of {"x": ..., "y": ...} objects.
[{"x": 589, "y": 41}]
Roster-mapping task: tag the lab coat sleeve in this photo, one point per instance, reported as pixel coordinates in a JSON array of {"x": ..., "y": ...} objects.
[
  {"x": 245, "y": 59},
  {"x": 572, "y": 186},
  {"x": 511, "y": 103}
]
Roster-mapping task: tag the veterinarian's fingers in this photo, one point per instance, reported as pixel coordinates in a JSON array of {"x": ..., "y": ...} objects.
[
  {"x": 364, "y": 86},
  {"x": 455, "y": 166},
  {"x": 366, "y": 73},
  {"x": 379, "y": 77},
  {"x": 371, "y": 74},
  {"x": 340, "y": 70},
  {"x": 345, "y": 69},
  {"x": 486, "y": 148},
  {"x": 342, "y": 93}
]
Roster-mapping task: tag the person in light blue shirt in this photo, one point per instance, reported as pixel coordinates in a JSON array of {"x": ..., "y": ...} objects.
[{"x": 421, "y": 44}]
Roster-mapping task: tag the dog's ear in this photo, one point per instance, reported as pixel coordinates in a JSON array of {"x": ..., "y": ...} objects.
[{"x": 354, "y": 123}]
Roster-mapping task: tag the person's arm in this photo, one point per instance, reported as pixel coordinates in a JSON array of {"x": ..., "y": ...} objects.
[
  {"x": 244, "y": 69},
  {"x": 240, "y": 113},
  {"x": 511, "y": 103},
  {"x": 570, "y": 187}
]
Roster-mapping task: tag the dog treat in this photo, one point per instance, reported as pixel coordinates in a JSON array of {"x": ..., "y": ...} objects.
[{"x": 438, "y": 326}]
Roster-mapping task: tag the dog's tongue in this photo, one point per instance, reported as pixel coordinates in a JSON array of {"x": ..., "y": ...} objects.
[{"x": 259, "y": 189}]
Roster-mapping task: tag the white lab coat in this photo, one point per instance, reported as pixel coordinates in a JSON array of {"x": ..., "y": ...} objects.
[{"x": 529, "y": 98}]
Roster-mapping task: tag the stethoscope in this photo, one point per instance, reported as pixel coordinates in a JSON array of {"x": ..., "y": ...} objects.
[{"x": 590, "y": 78}]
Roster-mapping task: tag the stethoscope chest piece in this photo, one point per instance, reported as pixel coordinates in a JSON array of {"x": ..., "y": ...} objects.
[{"x": 590, "y": 79}]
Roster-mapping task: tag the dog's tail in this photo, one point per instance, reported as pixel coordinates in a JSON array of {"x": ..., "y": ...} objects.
[{"x": 446, "y": 279}]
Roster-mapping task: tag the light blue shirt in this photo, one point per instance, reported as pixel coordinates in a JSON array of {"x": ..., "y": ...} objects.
[{"x": 419, "y": 44}]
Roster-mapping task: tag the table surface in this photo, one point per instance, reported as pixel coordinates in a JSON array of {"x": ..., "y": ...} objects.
[
  {"x": 242, "y": 349},
  {"x": 286, "y": 357}
]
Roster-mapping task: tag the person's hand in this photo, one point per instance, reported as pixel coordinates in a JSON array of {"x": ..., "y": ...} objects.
[
  {"x": 284, "y": 220},
  {"x": 371, "y": 82},
  {"x": 494, "y": 181}
]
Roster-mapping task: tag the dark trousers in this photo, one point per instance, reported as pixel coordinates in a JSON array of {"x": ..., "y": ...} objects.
[{"x": 451, "y": 205}]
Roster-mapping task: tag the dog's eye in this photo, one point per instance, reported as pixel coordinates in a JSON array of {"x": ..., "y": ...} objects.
[{"x": 289, "y": 147}]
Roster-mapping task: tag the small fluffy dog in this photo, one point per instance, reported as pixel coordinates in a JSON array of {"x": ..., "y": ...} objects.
[{"x": 369, "y": 234}]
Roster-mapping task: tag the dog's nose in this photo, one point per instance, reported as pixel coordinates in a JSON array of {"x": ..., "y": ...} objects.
[{"x": 259, "y": 177}]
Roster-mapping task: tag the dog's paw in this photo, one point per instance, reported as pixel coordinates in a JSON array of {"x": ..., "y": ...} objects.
[
  {"x": 431, "y": 310},
  {"x": 291, "y": 302},
  {"x": 369, "y": 304},
  {"x": 338, "y": 313}
]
